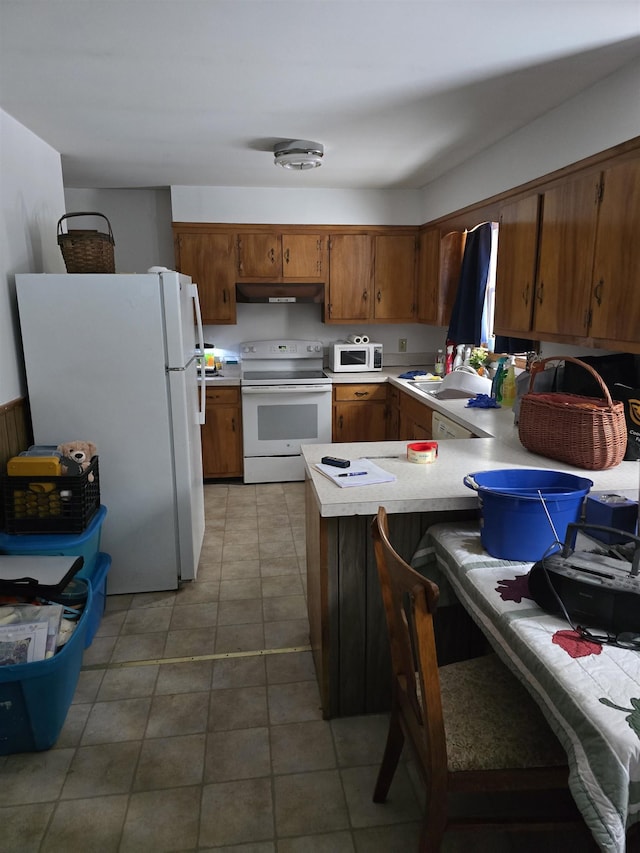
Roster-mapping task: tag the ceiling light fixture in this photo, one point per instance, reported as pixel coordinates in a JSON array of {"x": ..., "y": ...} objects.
[{"x": 298, "y": 154}]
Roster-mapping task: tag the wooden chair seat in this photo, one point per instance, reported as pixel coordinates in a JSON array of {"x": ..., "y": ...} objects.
[{"x": 491, "y": 722}]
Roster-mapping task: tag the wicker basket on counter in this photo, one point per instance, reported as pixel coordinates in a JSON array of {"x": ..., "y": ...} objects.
[
  {"x": 588, "y": 432},
  {"x": 87, "y": 251}
]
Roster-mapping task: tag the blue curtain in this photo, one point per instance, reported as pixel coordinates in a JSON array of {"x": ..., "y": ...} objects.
[{"x": 466, "y": 318}]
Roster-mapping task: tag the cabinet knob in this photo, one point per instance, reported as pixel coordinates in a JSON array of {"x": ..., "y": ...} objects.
[
  {"x": 365, "y": 295},
  {"x": 379, "y": 297},
  {"x": 525, "y": 293},
  {"x": 540, "y": 294},
  {"x": 286, "y": 256}
]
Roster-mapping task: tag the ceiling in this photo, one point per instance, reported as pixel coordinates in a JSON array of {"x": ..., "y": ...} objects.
[{"x": 151, "y": 93}]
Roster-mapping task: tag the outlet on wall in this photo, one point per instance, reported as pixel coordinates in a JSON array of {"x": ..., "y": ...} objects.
[{"x": 402, "y": 344}]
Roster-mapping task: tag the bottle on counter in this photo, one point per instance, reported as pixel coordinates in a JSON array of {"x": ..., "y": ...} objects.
[
  {"x": 438, "y": 368},
  {"x": 498, "y": 379},
  {"x": 448, "y": 365},
  {"x": 509, "y": 388},
  {"x": 459, "y": 359}
]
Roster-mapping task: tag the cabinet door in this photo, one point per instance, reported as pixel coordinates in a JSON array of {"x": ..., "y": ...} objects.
[
  {"x": 393, "y": 413},
  {"x": 360, "y": 422},
  {"x": 304, "y": 257},
  {"x": 415, "y": 419},
  {"x": 428, "y": 276},
  {"x": 516, "y": 268},
  {"x": 439, "y": 262},
  {"x": 222, "y": 434},
  {"x": 567, "y": 236},
  {"x": 615, "y": 303},
  {"x": 259, "y": 256},
  {"x": 395, "y": 277},
  {"x": 210, "y": 261},
  {"x": 350, "y": 277}
]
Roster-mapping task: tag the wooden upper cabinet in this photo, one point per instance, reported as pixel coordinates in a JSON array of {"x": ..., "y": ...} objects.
[
  {"x": 276, "y": 257},
  {"x": 350, "y": 277},
  {"x": 567, "y": 237},
  {"x": 259, "y": 256},
  {"x": 395, "y": 278},
  {"x": 304, "y": 256},
  {"x": 209, "y": 258},
  {"x": 439, "y": 262},
  {"x": 615, "y": 293},
  {"x": 516, "y": 267},
  {"x": 428, "y": 276}
]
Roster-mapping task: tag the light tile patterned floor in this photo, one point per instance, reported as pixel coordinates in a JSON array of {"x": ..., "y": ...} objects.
[{"x": 216, "y": 750}]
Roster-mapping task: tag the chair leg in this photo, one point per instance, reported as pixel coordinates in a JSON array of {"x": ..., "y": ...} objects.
[
  {"x": 392, "y": 752},
  {"x": 432, "y": 831}
]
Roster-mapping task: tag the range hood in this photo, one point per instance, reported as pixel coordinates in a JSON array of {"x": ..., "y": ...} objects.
[{"x": 279, "y": 293}]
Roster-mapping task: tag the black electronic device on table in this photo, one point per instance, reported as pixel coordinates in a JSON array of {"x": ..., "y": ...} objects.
[
  {"x": 597, "y": 589},
  {"x": 335, "y": 461}
]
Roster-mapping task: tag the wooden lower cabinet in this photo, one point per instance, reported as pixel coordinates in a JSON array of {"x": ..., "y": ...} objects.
[
  {"x": 360, "y": 412},
  {"x": 222, "y": 434},
  {"x": 414, "y": 419}
]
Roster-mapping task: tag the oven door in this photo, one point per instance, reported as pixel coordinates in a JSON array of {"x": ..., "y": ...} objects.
[{"x": 276, "y": 420}]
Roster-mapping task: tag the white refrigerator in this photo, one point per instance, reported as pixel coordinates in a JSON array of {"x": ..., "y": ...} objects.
[{"x": 112, "y": 359}]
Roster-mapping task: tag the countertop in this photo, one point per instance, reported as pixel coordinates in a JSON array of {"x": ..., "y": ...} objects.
[{"x": 439, "y": 486}]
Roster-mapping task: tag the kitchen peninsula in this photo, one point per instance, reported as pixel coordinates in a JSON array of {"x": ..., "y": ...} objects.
[{"x": 347, "y": 629}]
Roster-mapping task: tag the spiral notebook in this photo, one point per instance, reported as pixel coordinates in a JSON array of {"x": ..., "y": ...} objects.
[{"x": 361, "y": 472}]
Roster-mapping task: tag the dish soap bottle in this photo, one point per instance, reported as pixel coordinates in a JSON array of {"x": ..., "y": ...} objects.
[
  {"x": 438, "y": 368},
  {"x": 498, "y": 379},
  {"x": 509, "y": 388}
]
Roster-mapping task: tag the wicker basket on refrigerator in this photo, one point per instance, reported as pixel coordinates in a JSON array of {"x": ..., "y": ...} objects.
[{"x": 87, "y": 251}]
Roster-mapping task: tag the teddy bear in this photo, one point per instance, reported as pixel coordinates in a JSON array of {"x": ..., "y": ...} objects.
[{"x": 75, "y": 457}]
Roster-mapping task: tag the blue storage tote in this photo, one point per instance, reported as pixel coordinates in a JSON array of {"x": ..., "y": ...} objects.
[
  {"x": 85, "y": 544},
  {"x": 98, "y": 581},
  {"x": 35, "y": 697}
]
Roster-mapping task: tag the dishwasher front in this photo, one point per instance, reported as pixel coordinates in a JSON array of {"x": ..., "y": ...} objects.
[{"x": 443, "y": 428}]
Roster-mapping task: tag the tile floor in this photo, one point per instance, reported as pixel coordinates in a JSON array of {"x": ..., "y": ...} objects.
[{"x": 196, "y": 722}]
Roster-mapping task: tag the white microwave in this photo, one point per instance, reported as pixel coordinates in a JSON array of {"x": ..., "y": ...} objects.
[{"x": 345, "y": 357}]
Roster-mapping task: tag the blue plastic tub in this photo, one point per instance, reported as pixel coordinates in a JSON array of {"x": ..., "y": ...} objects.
[
  {"x": 515, "y": 525},
  {"x": 85, "y": 544},
  {"x": 35, "y": 697},
  {"x": 98, "y": 581}
]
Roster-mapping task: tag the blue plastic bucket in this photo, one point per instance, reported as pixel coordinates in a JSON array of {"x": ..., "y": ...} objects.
[{"x": 514, "y": 524}]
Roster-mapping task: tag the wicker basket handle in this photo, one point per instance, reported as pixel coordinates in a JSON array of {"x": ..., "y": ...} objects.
[
  {"x": 91, "y": 213},
  {"x": 539, "y": 365}
]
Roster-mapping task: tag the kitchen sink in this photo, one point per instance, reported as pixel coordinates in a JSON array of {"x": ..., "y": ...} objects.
[{"x": 433, "y": 390}]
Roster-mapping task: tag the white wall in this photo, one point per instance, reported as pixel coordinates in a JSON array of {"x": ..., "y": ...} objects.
[
  {"x": 598, "y": 118},
  {"x": 31, "y": 202},
  {"x": 270, "y": 322},
  {"x": 295, "y": 206},
  {"x": 140, "y": 220}
]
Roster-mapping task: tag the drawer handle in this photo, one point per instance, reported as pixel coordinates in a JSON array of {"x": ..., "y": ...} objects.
[{"x": 361, "y": 393}]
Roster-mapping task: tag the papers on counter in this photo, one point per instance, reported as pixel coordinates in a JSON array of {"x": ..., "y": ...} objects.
[{"x": 361, "y": 472}]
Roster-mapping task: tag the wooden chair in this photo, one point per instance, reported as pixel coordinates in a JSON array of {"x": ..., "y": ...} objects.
[{"x": 474, "y": 728}]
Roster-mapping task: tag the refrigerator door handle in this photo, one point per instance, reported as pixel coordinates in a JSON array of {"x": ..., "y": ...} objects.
[{"x": 203, "y": 378}]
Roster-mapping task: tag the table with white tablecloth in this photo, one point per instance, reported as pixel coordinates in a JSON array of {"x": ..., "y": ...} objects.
[{"x": 589, "y": 693}]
